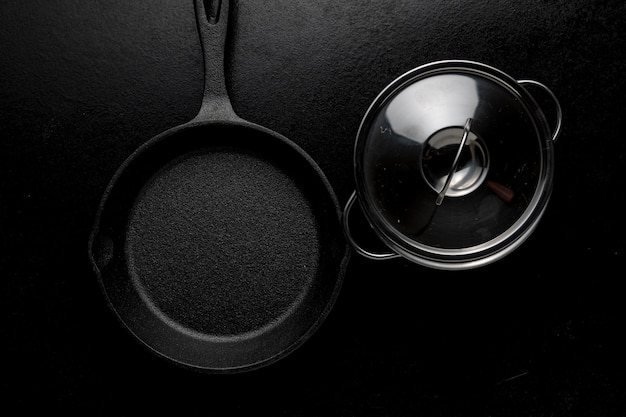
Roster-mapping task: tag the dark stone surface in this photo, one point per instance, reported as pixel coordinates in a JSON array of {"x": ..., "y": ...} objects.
[{"x": 83, "y": 84}]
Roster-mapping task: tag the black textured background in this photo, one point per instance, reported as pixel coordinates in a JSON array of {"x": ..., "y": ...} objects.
[{"x": 540, "y": 333}]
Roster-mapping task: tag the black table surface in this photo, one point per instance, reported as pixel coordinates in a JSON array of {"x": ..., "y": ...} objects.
[{"x": 538, "y": 333}]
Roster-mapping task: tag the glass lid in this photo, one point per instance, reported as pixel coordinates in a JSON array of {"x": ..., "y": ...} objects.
[{"x": 453, "y": 161}]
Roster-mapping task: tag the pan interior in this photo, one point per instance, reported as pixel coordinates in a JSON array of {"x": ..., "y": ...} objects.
[{"x": 222, "y": 243}]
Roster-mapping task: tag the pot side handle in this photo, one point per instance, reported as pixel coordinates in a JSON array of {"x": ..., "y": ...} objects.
[
  {"x": 361, "y": 251},
  {"x": 559, "y": 113}
]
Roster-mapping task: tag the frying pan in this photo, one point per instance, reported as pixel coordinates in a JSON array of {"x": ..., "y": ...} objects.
[{"x": 218, "y": 243}]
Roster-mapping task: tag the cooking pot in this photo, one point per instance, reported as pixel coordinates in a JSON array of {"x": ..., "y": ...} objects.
[{"x": 453, "y": 165}]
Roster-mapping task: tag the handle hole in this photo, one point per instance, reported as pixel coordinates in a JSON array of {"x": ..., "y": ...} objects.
[{"x": 212, "y": 9}]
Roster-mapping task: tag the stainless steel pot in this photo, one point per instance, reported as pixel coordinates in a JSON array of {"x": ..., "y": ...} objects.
[{"x": 453, "y": 165}]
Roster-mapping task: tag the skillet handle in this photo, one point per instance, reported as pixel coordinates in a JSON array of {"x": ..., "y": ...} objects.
[
  {"x": 363, "y": 252},
  {"x": 559, "y": 112},
  {"x": 212, "y": 22}
]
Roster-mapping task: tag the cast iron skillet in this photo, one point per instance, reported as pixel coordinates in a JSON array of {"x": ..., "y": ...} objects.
[{"x": 218, "y": 243}]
